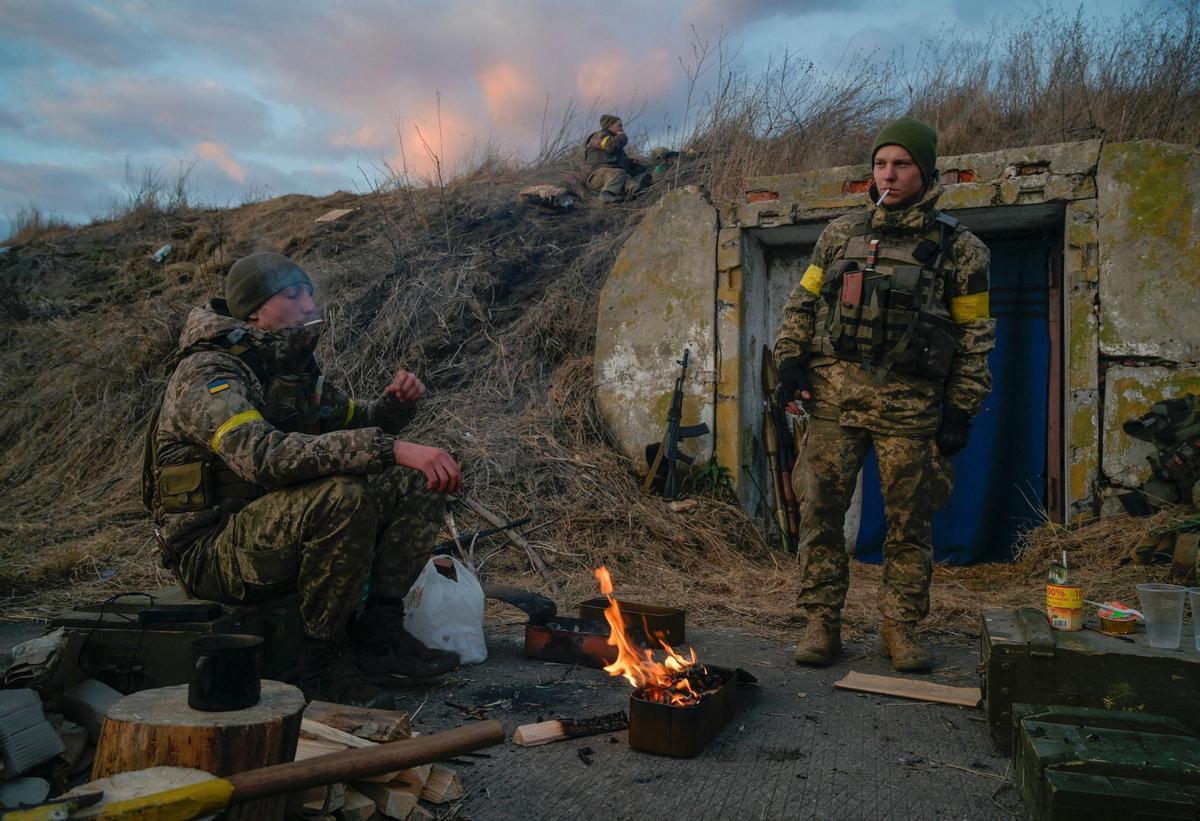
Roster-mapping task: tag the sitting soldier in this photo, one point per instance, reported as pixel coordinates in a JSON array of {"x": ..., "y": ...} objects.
[
  {"x": 268, "y": 479},
  {"x": 614, "y": 174}
]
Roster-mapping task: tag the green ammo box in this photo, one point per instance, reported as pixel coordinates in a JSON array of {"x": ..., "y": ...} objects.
[
  {"x": 1025, "y": 661},
  {"x": 1088, "y": 764},
  {"x": 141, "y": 640}
]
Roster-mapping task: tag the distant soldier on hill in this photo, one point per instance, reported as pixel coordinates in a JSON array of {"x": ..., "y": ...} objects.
[
  {"x": 885, "y": 338},
  {"x": 267, "y": 479},
  {"x": 614, "y": 174}
]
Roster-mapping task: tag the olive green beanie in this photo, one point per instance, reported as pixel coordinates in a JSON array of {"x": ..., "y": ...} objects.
[
  {"x": 254, "y": 279},
  {"x": 915, "y": 137},
  {"x": 608, "y": 119}
]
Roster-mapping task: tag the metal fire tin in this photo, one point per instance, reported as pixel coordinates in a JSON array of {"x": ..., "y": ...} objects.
[
  {"x": 565, "y": 640},
  {"x": 682, "y": 732},
  {"x": 1064, "y": 606},
  {"x": 649, "y": 620}
]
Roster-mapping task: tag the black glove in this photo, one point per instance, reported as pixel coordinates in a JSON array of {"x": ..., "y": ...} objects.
[
  {"x": 793, "y": 378},
  {"x": 955, "y": 428}
]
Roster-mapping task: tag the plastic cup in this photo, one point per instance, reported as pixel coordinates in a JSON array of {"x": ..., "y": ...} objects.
[
  {"x": 1194, "y": 595},
  {"x": 1162, "y": 605}
]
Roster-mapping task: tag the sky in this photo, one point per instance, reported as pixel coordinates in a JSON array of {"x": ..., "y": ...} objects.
[{"x": 259, "y": 99}]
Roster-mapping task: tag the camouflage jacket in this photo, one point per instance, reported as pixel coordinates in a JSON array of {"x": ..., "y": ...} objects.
[
  {"x": 604, "y": 148},
  {"x": 904, "y": 404},
  {"x": 218, "y": 408}
]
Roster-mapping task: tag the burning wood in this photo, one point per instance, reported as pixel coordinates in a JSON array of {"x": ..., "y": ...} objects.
[{"x": 677, "y": 681}]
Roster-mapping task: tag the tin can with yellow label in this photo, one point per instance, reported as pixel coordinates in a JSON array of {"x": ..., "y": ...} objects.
[{"x": 1064, "y": 606}]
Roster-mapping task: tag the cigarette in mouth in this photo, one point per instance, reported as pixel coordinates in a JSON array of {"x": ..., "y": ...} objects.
[
  {"x": 313, "y": 322},
  {"x": 883, "y": 196}
]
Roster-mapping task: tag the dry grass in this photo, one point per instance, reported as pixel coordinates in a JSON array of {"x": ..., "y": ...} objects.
[{"x": 494, "y": 306}]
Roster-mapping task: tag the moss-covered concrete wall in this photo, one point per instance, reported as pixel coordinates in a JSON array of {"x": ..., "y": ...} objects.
[
  {"x": 659, "y": 299},
  {"x": 1129, "y": 217}
]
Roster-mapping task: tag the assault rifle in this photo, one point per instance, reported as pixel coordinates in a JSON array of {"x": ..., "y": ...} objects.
[
  {"x": 779, "y": 445},
  {"x": 662, "y": 457}
]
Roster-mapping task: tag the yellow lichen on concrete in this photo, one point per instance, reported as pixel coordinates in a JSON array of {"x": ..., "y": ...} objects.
[
  {"x": 1083, "y": 454},
  {"x": 1129, "y": 393}
]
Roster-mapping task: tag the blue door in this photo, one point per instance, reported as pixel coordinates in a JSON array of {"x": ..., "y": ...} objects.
[{"x": 1000, "y": 478}]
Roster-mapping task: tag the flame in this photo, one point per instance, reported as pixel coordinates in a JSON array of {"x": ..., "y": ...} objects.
[{"x": 669, "y": 682}]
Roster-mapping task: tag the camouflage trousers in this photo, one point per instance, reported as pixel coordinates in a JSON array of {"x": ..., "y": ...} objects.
[
  {"x": 616, "y": 182},
  {"x": 328, "y": 539},
  {"x": 916, "y": 480}
]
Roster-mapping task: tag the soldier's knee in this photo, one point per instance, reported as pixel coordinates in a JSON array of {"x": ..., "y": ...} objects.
[{"x": 347, "y": 496}]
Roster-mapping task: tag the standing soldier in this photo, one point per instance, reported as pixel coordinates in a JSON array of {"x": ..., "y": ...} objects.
[
  {"x": 613, "y": 174},
  {"x": 885, "y": 339},
  {"x": 266, "y": 479}
]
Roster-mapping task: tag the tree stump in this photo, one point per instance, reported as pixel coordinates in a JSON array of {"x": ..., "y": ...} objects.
[{"x": 155, "y": 728}]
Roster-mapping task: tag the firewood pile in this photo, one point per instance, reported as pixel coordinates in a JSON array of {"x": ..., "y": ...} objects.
[{"x": 405, "y": 795}]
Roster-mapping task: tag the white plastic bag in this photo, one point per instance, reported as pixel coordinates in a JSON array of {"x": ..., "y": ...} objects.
[{"x": 447, "y": 614}]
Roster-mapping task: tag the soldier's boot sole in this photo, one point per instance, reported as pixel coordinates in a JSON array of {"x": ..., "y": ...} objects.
[
  {"x": 820, "y": 646},
  {"x": 899, "y": 643}
]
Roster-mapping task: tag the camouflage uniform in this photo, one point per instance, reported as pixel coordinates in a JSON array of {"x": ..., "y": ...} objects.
[
  {"x": 852, "y": 409},
  {"x": 302, "y": 488},
  {"x": 613, "y": 174}
]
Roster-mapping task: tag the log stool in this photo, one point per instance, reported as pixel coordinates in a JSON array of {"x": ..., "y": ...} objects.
[{"x": 155, "y": 728}]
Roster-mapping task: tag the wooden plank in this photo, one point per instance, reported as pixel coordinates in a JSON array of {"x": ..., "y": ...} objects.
[
  {"x": 335, "y": 214},
  {"x": 311, "y": 728},
  {"x": 911, "y": 688},
  {"x": 380, "y": 726}
]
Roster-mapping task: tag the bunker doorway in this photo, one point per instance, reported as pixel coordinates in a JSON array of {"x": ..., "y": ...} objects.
[{"x": 1010, "y": 477}]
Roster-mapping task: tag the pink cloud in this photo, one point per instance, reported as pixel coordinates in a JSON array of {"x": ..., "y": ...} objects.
[{"x": 218, "y": 155}]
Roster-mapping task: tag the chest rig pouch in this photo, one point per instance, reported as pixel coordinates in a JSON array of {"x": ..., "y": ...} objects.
[
  {"x": 894, "y": 315},
  {"x": 294, "y": 403}
]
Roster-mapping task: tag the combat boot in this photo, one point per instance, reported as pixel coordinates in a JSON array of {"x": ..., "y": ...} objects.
[
  {"x": 901, "y": 646},
  {"x": 327, "y": 672},
  {"x": 821, "y": 642},
  {"x": 384, "y": 648}
]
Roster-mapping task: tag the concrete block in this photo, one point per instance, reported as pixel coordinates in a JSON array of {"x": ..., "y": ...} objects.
[
  {"x": 659, "y": 299},
  {"x": 1083, "y": 347},
  {"x": 1149, "y": 225},
  {"x": 1083, "y": 454},
  {"x": 1129, "y": 393}
]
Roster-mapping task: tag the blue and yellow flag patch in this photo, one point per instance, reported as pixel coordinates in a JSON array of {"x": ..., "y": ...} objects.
[{"x": 218, "y": 385}]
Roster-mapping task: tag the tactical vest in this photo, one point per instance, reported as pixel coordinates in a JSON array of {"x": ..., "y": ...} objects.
[
  {"x": 293, "y": 404},
  {"x": 1173, "y": 426},
  {"x": 891, "y": 314}
]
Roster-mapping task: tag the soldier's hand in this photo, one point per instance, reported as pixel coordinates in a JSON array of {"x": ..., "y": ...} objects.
[
  {"x": 405, "y": 388},
  {"x": 954, "y": 431},
  {"x": 439, "y": 467},
  {"x": 793, "y": 383}
]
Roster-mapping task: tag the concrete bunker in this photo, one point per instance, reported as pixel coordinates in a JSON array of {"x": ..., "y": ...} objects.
[{"x": 1089, "y": 244}]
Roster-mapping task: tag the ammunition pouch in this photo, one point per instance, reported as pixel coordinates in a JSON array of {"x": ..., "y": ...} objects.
[
  {"x": 195, "y": 486},
  {"x": 892, "y": 323}
]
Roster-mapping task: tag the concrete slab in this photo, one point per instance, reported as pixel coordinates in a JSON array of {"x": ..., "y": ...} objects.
[{"x": 797, "y": 748}]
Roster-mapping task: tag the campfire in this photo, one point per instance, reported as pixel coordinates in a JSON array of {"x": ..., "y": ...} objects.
[{"x": 677, "y": 681}]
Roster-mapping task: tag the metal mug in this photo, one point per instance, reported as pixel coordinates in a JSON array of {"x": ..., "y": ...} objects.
[{"x": 226, "y": 672}]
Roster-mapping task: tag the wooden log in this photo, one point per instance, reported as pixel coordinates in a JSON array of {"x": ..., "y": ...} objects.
[
  {"x": 442, "y": 786},
  {"x": 395, "y": 800},
  {"x": 531, "y": 735},
  {"x": 157, "y": 728},
  {"x": 356, "y": 806},
  {"x": 374, "y": 725},
  {"x": 910, "y": 688}
]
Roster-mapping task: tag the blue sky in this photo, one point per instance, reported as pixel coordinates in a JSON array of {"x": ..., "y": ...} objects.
[{"x": 311, "y": 96}]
